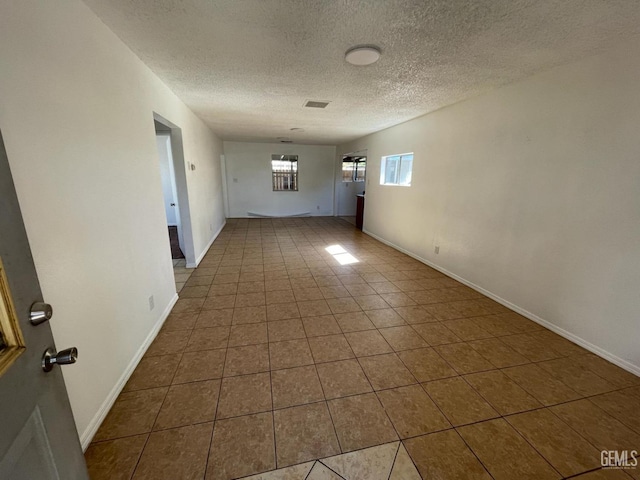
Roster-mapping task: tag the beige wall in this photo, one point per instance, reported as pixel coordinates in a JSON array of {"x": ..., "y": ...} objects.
[
  {"x": 532, "y": 193},
  {"x": 76, "y": 112},
  {"x": 250, "y": 164}
]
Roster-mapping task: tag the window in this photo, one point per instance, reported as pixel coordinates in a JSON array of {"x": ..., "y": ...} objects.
[
  {"x": 284, "y": 172},
  {"x": 396, "y": 169},
  {"x": 353, "y": 169}
]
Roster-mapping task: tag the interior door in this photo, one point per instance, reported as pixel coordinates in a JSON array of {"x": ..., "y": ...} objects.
[{"x": 38, "y": 437}]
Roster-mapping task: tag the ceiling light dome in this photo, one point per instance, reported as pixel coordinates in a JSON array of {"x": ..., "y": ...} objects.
[{"x": 362, "y": 55}]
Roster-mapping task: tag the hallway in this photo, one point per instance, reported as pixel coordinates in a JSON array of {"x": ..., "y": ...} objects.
[{"x": 299, "y": 339}]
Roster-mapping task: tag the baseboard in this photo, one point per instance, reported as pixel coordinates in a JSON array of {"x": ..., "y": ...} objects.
[
  {"x": 92, "y": 428},
  {"x": 206, "y": 249},
  {"x": 621, "y": 362}
]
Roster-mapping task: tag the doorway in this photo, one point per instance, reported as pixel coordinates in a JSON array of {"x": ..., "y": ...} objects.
[
  {"x": 350, "y": 184},
  {"x": 173, "y": 173}
]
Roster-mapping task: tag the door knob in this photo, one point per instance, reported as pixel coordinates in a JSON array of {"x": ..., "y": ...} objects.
[
  {"x": 40, "y": 312},
  {"x": 63, "y": 357}
]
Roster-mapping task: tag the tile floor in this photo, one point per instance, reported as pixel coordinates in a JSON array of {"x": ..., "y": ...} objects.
[
  {"x": 277, "y": 356},
  {"x": 181, "y": 273}
]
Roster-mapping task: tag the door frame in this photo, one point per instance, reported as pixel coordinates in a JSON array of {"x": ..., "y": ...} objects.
[{"x": 180, "y": 174}]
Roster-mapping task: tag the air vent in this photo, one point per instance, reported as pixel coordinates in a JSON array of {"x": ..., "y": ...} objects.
[{"x": 316, "y": 104}]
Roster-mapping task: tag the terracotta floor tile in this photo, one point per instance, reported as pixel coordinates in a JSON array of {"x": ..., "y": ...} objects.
[
  {"x": 498, "y": 353},
  {"x": 132, "y": 413},
  {"x": 583, "y": 381},
  {"x": 246, "y": 360},
  {"x": 244, "y": 395},
  {"x": 385, "y": 287},
  {"x": 360, "y": 421},
  {"x": 295, "y": 386},
  {"x": 188, "y": 404},
  {"x": 313, "y": 308},
  {"x": 598, "y": 427},
  {"x": 214, "y": 318},
  {"x": 153, "y": 372},
  {"x": 386, "y": 371},
  {"x": 275, "y": 285},
  {"x": 176, "y": 453},
  {"x": 354, "y": 322},
  {"x": 501, "y": 392},
  {"x": 343, "y": 305},
  {"x": 280, "y": 296},
  {"x": 304, "y": 294},
  {"x": 505, "y": 454},
  {"x": 368, "y": 342},
  {"x": 463, "y": 358},
  {"x": 195, "y": 281},
  {"x": 441, "y": 311},
  {"x": 425, "y": 364},
  {"x": 563, "y": 448},
  {"x": 219, "y": 301},
  {"x": 202, "y": 365},
  {"x": 561, "y": 345},
  {"x": 435, "y": 333},
  {"x": 114, "y": 459},
  {"x": 251, "y": 287},
  {"x": 414, "y": 314},
  {"x": 242, "y": 446},
  {"x": 343, "y": 378},
  {"x": 402, "y": 338},
  {"x": 249, "y": 334},
  {"x": 542, "y": 385},
  {"x": 603, "y": 474},
  {"x": 459, "y": 402},
  {"x": 179, "y": 321},
  {"x": 208, "y": 339},
  {"x": 328, "y": 281},
  {"x": 290, "y": 353},
  {"x": 412, "y": 411},
  {"x": 466, "y": 329},
  {"x": 444, "y": 455},
  {"x": 223, "y": 289},
  {"x": 282, "y": 311},
  {"x": 607, "y": 370},
  {"x": 169, "y": 343},
  {"x": 530, "y": 347},
  {"x": 330, "y": 348},
  {"x": 371, "y": 302},
  {"x": 188, "y": 305},
  {"x": 386, "y": 317},
  {"x": 334, "y": 291},
  {"x": 623, "y": 405},
  {"x": 194, "y": 292},
  {"x": 323, "y": 325},
  {"x": 249, "y": 314},
  {"x": 304, "y": 433},
  {"x": 280, "y": 330}
]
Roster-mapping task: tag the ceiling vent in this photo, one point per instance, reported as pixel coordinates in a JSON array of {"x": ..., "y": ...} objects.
[{"x": 316, "y": 104}]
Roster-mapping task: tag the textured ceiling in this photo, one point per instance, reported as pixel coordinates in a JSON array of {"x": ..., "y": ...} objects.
[{"x": 246, "y": 67}]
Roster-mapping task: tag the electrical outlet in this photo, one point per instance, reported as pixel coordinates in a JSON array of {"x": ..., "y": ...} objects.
[
  {"x": 152, "y": 303},
  {"x": 437, "y": 249}
]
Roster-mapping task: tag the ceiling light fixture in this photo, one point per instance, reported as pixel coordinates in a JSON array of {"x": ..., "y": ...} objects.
[{"x": 362, "y": 55}]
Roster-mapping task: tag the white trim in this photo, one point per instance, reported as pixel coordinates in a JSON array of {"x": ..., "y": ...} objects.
[
  {"x": 98, "y": 418},
  {"x": 206, "y": 249},
  {"x": 620, "y": 362}
]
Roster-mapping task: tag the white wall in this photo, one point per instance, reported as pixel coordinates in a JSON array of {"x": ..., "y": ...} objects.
[
  {"x": 76, "y": 112},
  {"x": 250, "y": 164},
  {"x": 532, "y": 192}
]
